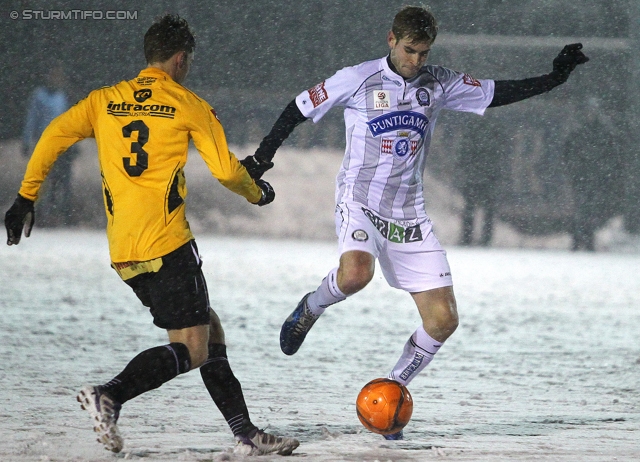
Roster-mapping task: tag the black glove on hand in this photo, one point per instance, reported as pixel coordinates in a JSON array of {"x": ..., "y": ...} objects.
[
  {"x": 268, "y": 194},
  {"x": 255, "y": 166},
  {"x": 568, "y": 59},
  {"x": 20, "y": 214}
]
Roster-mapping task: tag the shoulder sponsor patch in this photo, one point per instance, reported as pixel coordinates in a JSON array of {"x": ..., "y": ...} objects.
[
  {"x": 468, "y": 80},
  {"x": 318, "y": 94}
]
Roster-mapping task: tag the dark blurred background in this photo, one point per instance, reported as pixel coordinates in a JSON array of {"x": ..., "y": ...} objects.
[{"x": 253, "y": 57}]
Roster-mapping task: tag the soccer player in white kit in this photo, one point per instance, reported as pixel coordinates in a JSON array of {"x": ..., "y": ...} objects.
[{"x": 390, "y": 109}]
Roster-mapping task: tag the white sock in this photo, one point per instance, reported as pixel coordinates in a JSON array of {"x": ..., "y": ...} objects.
[
  {"x": 326, "y": 294},
  {"x": 418, "y": 352}
]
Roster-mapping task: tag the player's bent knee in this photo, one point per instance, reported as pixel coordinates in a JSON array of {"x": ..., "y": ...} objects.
[
  {"x": 199, "y": 355},
  {"x": 355, "y": 271},
  {"x": 439, "y": 312},
  {"x": 448, "y": 320},
  {"x": 453, "y": 323},
  {"x": 448, "y": 315},
  {"x": 354, "y": 282},
  {"x": 196, "y": 340}
]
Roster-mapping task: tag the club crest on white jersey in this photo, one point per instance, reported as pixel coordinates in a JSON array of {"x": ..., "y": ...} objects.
[
  {"x": 400, "y": 147},
  {"x": 422, "y": 96}
]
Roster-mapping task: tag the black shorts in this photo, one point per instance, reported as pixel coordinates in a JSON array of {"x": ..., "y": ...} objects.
[{"x": 177, "y": 294}]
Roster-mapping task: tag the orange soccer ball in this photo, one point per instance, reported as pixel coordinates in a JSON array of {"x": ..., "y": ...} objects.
[{"x": 384, "y": 406}]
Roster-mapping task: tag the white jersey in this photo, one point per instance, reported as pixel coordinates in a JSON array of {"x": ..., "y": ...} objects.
[{"x": 389, "y": 123}]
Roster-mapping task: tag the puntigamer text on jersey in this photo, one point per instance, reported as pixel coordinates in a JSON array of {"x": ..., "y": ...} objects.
[{"x": 407, "y": 120}]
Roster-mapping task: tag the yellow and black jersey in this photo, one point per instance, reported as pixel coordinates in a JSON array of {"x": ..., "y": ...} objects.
[{"x": 142, "y": 128}]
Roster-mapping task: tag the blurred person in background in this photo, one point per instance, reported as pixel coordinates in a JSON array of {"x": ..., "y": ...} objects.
[
  {"x": 482, "y": 157},
  {"x": 47, "y": 102},
  {"x": 594, "y": 165}
]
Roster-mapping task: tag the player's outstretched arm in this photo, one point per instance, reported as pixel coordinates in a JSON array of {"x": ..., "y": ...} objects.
[
  {"x": 261, "y": 161},
  {"x": 20, "y": 215},
  {"x": 512, "y": 91}
]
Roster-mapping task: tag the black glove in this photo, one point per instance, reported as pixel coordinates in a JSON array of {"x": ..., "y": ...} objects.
[
  {"x": 268, "y": 194},
  {"x": 20, "y": 214},
  {"x": 568, "y": 59},
  {"x": 256, "y": 166}
]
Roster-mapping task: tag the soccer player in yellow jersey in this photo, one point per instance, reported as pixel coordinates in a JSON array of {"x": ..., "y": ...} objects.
[{"x": 142, "y": 128}]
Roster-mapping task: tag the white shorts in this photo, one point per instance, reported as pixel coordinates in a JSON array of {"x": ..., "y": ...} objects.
[{"x": 410, "y": 255}]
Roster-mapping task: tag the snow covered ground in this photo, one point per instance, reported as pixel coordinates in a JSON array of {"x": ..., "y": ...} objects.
[{"x": 545, "y": 364}]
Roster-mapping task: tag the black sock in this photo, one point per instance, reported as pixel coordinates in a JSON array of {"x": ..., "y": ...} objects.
[
  {"x": 149, "y": 370},
  {"x": 225, "y": 390}
]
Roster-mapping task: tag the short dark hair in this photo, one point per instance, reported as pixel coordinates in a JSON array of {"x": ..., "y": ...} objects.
[
  {"x": 167, "y": 36},
  {"x": 416, "y": 23}
]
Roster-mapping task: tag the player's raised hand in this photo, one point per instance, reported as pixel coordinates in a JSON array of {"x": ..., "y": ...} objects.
[
  {"x": 567, "y": 60},
  {"x": 268, "y": 194},
  {"x": 256, "y": 166},
  {"x": 20, "y": 215}
]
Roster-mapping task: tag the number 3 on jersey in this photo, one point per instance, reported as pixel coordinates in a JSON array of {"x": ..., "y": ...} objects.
[{"x": 142, "y": 157}]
